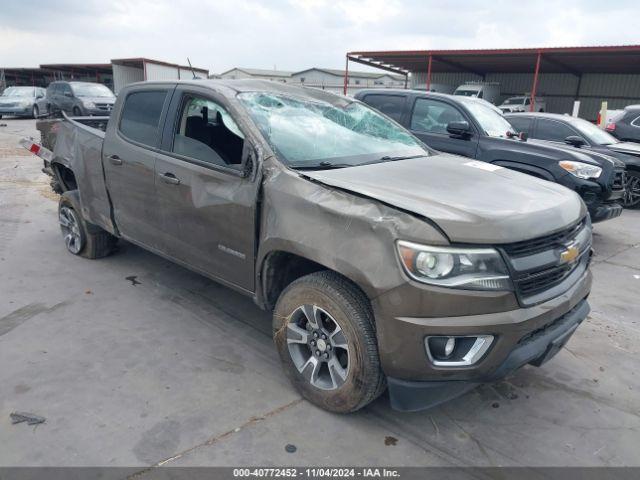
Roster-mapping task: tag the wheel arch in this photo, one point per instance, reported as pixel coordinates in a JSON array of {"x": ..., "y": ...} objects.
[
  {"x": 279, "y": 268},
  {"x": 524, "y": 168},
  {"x": 64, "y": 175}
]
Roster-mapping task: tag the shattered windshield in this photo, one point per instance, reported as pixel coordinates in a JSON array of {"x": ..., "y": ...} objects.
[{"x": 310, "y": 133}]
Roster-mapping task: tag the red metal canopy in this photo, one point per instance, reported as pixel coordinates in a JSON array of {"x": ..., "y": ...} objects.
[{"x": 576, "y": 60}]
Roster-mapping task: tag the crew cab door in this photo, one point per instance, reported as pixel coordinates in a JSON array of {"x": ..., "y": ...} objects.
[
  {"x": 207, "y": 194},
  {"x": 129, "y": 155},
  {"x": 428, "y": 121}
]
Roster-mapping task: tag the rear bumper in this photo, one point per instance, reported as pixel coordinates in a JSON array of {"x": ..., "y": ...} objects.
[{"x": 535, "y": 348}]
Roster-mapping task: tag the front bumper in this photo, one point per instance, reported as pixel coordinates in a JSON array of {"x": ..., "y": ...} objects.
[
  {"x": 17, "y": 111},
  {"x": 604, "y": 211},
  {"x": 402, "y": 329},
  {"x": 96, "y": 112},
  {"x": 536, "y": 348}
]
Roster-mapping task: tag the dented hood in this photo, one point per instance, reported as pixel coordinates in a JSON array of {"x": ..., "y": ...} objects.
[{"x": 471, "y": 201}]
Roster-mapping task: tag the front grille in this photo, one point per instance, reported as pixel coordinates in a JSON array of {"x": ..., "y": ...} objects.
[
  {"x": 104, "y": 106},
  {"x": 543, "y": 280},
  {"x": 619, "y": 179},
  {"x": 540, "y": 244}
]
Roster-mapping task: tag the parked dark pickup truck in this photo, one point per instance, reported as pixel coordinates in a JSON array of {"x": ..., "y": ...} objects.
[
  {"x": 472, "y": 128},
  {"x": 384, "y": 262},
  {"x": 579, "y": 133}
]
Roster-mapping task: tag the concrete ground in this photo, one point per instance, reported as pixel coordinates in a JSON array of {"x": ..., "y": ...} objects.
[{"x": 174, "y": 369}]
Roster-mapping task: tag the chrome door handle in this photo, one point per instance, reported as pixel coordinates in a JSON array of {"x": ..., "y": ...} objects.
[
  {"x": 115, "y": 159},
  {"x": 170, "y": 178}
]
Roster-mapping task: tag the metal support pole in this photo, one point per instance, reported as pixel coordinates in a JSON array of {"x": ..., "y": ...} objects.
[
  {"x": 346, "y": 75},
  {"x": 429, "y": 73},
  {"x": 406, "y": 80},
  {"x": 535, "y": 84}
]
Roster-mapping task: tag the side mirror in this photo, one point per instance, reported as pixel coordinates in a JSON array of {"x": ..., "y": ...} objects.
[
  {"x": 575, "y": 141},
  {"x": 523, "y": 136},
  {"x": 459, "y": 128},
  {"x": 68, "y": 94}
]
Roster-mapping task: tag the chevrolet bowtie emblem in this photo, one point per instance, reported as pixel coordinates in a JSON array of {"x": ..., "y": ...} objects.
[{"x": 570, "y": 254}]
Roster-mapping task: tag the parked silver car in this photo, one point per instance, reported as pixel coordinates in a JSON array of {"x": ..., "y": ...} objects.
[
  {"x": 22, "y": 101},
  {"x": 80, "y": 98},
  {"x": 523, "y": 104}
]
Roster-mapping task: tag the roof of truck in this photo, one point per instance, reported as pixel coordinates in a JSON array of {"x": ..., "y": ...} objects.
[{"x": 231, "y": 87}]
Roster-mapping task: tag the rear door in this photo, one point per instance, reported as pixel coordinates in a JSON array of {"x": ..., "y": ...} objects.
[
  {"x": 129, "y": 156},
  {"x": 206, "y": 197},
  {"x": 428, "y": 121}
]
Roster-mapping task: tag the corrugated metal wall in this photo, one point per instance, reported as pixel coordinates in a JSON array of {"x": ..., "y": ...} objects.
[
  {"x": 156, "y": 71},
  {"x": 559, "y": 89},
  {"x": 124, "y": 75}
]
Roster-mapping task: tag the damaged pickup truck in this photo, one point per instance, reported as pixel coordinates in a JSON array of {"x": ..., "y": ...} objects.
[{"x": 385, "y": 263}]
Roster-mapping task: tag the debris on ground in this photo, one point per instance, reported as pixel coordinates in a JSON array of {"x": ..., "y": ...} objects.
[
  {"x": 290, "y": 448},
  {"x": 133, "y": 280},
  {"x": 30, "y": 418},
  {"x": 390, "y": 441}
]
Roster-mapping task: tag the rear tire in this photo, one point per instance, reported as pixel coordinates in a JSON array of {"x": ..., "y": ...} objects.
[
  {"x": 81, "y": 237},
  {"x": 323, "y": 328}
]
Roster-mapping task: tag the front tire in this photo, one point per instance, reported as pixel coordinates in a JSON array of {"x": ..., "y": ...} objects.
[
  {"x": 631, "y": 197},
  {"x": 77, "y": 112},
  {"x": 35, "y": 112},
  {"x": 81, "y": 237},
  {"x": 323, "y": 328}
]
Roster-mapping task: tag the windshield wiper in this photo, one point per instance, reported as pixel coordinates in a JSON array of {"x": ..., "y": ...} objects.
[
  {"x": 388, "y": 158},
  {"x": 322, "y": 166},
  {"x": 329, "y": 165}
]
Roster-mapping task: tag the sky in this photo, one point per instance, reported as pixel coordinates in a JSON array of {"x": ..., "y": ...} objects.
[{"x": 294, "y": 34}]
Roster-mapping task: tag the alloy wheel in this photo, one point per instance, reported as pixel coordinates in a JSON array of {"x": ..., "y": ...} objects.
[
  {"x": 318, "y": 347},
  {"x": 632, "y": 191},
  {"x": 70, "y": 227}
]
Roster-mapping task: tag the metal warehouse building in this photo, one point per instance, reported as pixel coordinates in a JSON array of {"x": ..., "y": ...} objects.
[
  {"x": 561, "y": 75},
  {"x": 115, "y": 75}
]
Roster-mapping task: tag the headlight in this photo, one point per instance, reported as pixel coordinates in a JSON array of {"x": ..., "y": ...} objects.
[
  {"x": 25, "y": 103},
  {"x": 89, "y": 104},
  {"x": 580, "y": 170},
  {"x": 467, "y": 268}
]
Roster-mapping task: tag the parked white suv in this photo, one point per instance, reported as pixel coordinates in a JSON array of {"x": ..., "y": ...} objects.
[{"x": 523, "y": 104}]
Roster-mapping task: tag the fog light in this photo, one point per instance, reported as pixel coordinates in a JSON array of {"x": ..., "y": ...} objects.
[{"x": 457, "y": 351}]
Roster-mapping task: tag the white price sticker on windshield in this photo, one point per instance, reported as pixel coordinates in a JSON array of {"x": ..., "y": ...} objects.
[{"x": 483, "y": 166}]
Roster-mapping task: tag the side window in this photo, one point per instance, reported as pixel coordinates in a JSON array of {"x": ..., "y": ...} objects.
[
  {"x": 65, "y": 89},
  {"x": 553, "y": 131},
  {"x": 207, "y": 132},
  {"x": 521, "y": 124},
  {"x": 390, "y": 105},
  {"x": 140, "y": 117},
  {"x": 433, "y": 116},
  {"x": 636, "y": 122},
  {"x": 527, "y": 101}
]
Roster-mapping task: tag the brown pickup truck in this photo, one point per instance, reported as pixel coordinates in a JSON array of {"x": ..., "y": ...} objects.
[{"x": 385, "y": 263}]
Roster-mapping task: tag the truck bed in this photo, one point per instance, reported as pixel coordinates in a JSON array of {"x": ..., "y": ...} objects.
[
  {"x": 48, "y": 127},
  {"x": 77, "y": 146}
]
